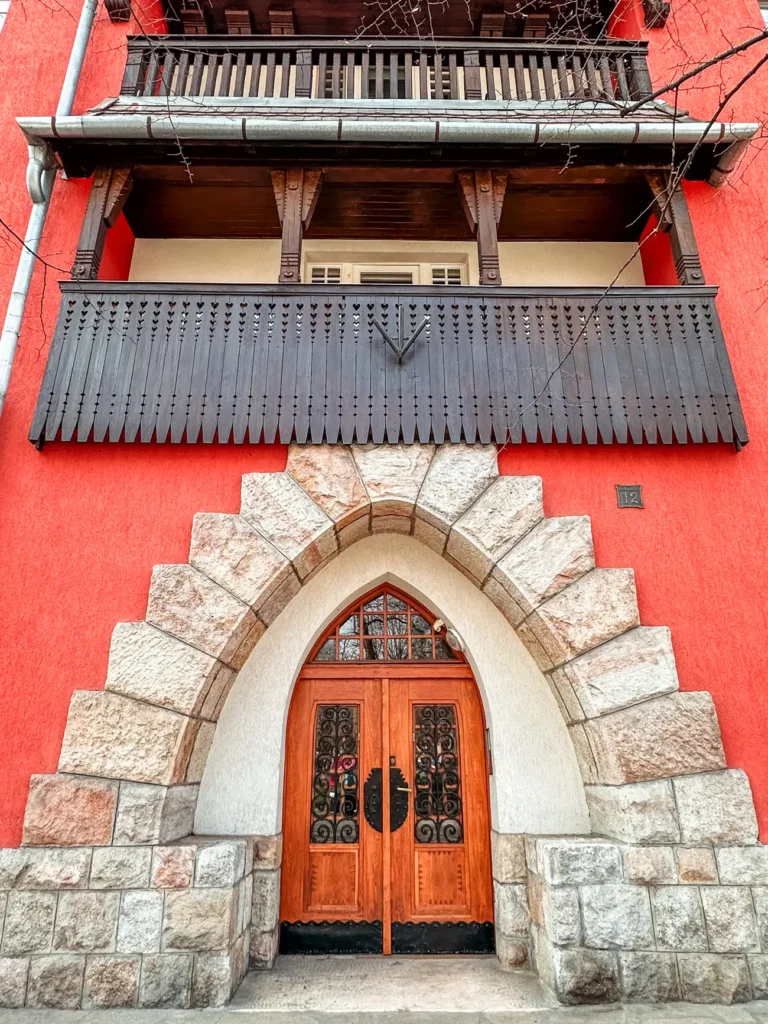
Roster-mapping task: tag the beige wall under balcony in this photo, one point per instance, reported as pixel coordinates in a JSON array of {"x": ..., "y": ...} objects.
[{"x": 256, "y": 261}]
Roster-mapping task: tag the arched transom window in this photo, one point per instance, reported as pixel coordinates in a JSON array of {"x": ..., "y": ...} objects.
[{"x": 385, "y": 626}]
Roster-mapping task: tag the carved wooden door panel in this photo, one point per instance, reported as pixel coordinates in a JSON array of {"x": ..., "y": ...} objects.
[
  {"x": 441, "y": 889},
  {"x": 331, "y": 875}
]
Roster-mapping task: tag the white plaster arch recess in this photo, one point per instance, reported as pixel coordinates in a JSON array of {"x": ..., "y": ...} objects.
[{"x": 536, "y": 786}]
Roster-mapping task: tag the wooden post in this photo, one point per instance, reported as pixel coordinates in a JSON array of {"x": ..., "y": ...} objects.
[
  {"x": 674, "y": 217},
  {"x": 296, "y": 194},
  {"x": 473, "y": 89},
  {"x": 482, "y": 194},
  {"x": 110, "y": 188}
]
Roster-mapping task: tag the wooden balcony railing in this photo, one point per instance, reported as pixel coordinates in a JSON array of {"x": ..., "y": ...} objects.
[
  {"x": 450, "y": 69},
  {"x": 132, "y": 362}
]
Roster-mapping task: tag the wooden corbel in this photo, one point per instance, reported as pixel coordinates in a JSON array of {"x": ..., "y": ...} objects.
[
  {"x": 656, "y": 13},
  {"x": 675, "y": 219},
  {"x": 482, "y": 196},
  {"x": 110, "y": 188},
  {"x": 296, "y": 195}
]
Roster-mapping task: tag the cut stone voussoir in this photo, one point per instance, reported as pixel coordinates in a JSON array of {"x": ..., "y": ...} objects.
[
  {"x": 458, "y": 475},
  {"x": 392, "y": 475},
  {"x": 330, "y": 477}
]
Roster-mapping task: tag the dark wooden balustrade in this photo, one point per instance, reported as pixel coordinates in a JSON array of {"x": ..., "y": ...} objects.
[
  {"x": 132, "y": 362},
  {"x": 408, "y": 69}
]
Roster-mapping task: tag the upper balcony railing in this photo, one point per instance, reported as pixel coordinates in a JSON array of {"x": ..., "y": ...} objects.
[{"x": 312, "y": 67}]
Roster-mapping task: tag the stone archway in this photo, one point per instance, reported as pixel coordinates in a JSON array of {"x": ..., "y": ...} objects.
[{"x": 651, "y": 756}]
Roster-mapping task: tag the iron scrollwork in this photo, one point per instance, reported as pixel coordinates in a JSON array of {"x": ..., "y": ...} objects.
[
  {"x": 335, "y": 801},
  {"x": 438, "y": 785}
]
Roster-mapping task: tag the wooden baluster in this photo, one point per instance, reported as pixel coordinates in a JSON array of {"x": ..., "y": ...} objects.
[
  {"x": 133, "y": 74},
  {"x": 365, "y": 65},
  {"x": 423, "y": 76},
  {"x": 322, "y": 76},
  {"x": 109, "y": 190},
  {"x": 253, "y": 87},
  {"x": 562, "y": 77},
  {"x": 197, "y": 75},
  {"x": 285, "y": 75},
  {"x": 675, "y": 219},
  {"x": 336, "y": 77},
  {"x": 379, "y": 75},
  {"x": 482, "y": 196},
  {"x": 225, "y": 79},
  {"x": 213, "y": 72},
  {"x": 349, "y": 88},
  {"x": 165, "y": 73},
  {"x": 240, "y": 70},
  {"x": 304, "y": 73},
  {"x": 549, "y": 81},
  {"x": 180, "y": 89},
  {"x": 150, "y": 82},
  {"x": 409, "y": 75},
  {"x": 608, "y": 91},
  {"x": 473, "y": 88},
  {"x": 269, "y": 81},
  {"x": 621, "y": 78},
  {"x": 594, "y": 88},
  {"x": 506, "y": 84},
  {"x": 533, "y": 75},
  {"x": 296, "y": 194},
  {"x": 578, "y": 79},
  {"x": 522, "y": 92},
  {"x": 453, "y": 77},
  {"x": 490, "y": 79},
  {"x": 642, "y": 87},
  {"x": 438, "y": 75}
]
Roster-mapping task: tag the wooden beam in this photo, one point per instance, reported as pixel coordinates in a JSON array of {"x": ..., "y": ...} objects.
[
  {"x": 675, "y": 218},
  {"x": 482, "y": 195},
  {"x": 109, "y": 190},
  {"x": 296, "y": 194}
]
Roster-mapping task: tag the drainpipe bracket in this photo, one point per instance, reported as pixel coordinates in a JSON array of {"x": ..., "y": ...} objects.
[{"x": 41, "y": 160}]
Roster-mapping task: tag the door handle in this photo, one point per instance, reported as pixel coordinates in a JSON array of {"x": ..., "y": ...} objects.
[{"x": 404, "y": 789}]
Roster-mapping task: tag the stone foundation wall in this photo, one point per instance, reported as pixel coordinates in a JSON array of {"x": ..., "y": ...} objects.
[
  {"x": 118, "y": 926},
  {"x": 613, "y": 921}
]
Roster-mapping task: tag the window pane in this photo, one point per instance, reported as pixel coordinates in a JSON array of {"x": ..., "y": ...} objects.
[
  {"x": 397, "y": 625},
  {"x": 349, "y": 650},
  {"x": 350, "y": 627},
  {"x": 395, "y": 604},
  {"x": 373, "y": 625},
  {"x": 374, "y": 605},
  {"x": 398, "y": 649},
  {"x": 420, "y": 625},
  {"x": 327, "y": 652},
  {"x": 421, "y": 649},
  {"x": 374, "y": 649},
  {"x": 442, "y": 651}
]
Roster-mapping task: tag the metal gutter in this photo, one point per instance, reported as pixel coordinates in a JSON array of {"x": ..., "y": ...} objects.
[{"x": 40, "y": 182}]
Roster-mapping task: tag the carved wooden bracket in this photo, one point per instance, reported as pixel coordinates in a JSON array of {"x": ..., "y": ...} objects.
[
  {"x": 281, "y": 21},
  {"x": 296, "y": 195},
  {"x": 674, "y": 217},
  {"x": 110, "y": 189},
  {"x": 482, "y": 196},
  {"x": 656, "y": 13}
]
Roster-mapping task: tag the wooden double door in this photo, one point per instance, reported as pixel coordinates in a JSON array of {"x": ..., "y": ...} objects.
[{"x": 386, "y": 819}]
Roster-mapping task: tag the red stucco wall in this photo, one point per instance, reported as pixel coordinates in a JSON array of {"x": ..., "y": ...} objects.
[{"x": 82, "y": 526}]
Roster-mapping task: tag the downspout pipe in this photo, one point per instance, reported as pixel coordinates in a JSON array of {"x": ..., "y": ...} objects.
[{"x": 28, "y": 257}]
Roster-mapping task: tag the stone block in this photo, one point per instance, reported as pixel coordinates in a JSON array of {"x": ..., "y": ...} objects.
[
  {"x": 743, "y": 865},
  {"x": 501, "y": 516},
  {"x": 213, "y": 979},
  {"x": 3, "y": 904},
  {"x": 547, "y": 560},
  {"x": 561, "y": 915},
  {"x": 266, "y": 900},
  {"x": 166, "y": 981},
  {"x": 244, "y": 903},
  {"x": 199, "y": 756},
  {"x": 391, "y": 524},
  {"x": 173, "y": 867},
  {"x": 730, "y": 917},
  {"x": 121, "y": 867},
  {"x": 152, "y": 666},
  {"x": 629, "y": 669},
  {"x": 508, "y": 857},
  {"x": 595, "y": 608},
  {"x": 616, "y": 917},
  {"x": 263, "y": 948},
  {"x": 673, "y": 735},
  {"x": 48, "y": 868},
  {"x": 63, "y": 810},
  {"x": 713, "y": 978},
  {"x": 760, "y": 897},
  {"x": 457, "y": 476},
  {"x": 696, "y": 864},
  {"x": 329, "y": 476},
  {"x": 187, "y": 604},
  {"x": 678, "y": 919},
  {"x": 579, "y": 862},
  {"x": 140, "y": 922},
  {"x": 511, "y": 909},
  {"x": 86, "y": 922},
  {"x": 511, "y": 951},
  {"x": 716, "y": 808},
  {"x": 585, "y": 976},
  {"x": 267, "y": 852},
  {"x": 280, "y": 599},
  {"x": 650, "y": 865},
  {"x": 229, "y": 551},
  {"x": 289, "y": 519},
  {"x": 758, "y": 972},
  {"x": 199, "y": 919},
  {"x": 649, "y": 977},
  {"x": 55, "y": 982},
  {"x": 154, "y": 814},
  {"x": 583, "y": 751},
  {"x": 29, "y": 918},
  {"x": 111, "y": 981},
  {"x": 13, "y": 981},
  {"x": 393, "y": 475},
  {"x": 643, "y": 812},
  {"x": 221, "y": 863},
  {"x": 118, "y": 738},
  {"x": 495, "y": 592},
  {"x": 355, "y": 531}
]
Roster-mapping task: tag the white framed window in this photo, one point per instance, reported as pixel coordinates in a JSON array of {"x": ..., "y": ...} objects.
[
  {"x": 325, "y": 274},
  {"x": 449, "y": 276},
  {"x": 5, "y": 6},
  {"x": 386, "y": 272}
]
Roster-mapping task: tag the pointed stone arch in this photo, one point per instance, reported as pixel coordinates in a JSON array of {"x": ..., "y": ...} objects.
[{"x": 651, "y": 756}]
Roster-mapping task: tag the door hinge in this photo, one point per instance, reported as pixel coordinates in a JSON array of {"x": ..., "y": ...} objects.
[{"x": 488, "y": 748}]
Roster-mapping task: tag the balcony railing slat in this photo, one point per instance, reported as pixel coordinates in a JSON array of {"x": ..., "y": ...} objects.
[{"x": 163, "y": 362}]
